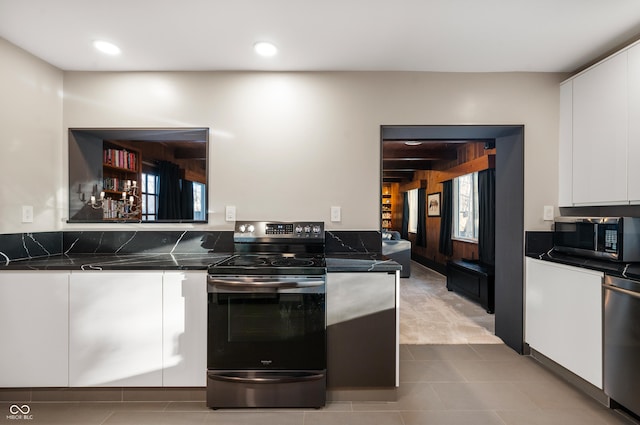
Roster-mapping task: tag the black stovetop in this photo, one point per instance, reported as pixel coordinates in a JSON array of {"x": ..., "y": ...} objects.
[{"x": 271, "y": 264}]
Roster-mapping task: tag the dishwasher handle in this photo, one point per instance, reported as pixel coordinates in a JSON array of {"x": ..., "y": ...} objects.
[{"x": 623, "y": 286}]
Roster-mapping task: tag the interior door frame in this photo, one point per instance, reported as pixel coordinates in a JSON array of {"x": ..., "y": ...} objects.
[{"x": 509, "y": 266}]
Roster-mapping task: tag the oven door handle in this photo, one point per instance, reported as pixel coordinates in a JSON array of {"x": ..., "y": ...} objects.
[
  {"x": 270, "y": 378},
  {"x": 265, "y": 283}
]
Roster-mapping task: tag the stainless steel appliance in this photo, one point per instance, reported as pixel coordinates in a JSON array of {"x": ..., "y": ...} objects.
[
  {"x": 607, "y": 238},
  {"x": 622, "y": 341},
  {"x": 267, "y": 318}
]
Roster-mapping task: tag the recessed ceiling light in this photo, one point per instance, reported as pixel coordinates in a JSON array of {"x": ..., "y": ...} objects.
[
  {"x": 412, "y": 143},
  {"x": 106, "y": 47},
  {"x": 264, "y": 48}
]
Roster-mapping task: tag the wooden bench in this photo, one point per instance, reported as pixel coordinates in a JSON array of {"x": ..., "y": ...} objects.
[{"x": 475, "y": 281}]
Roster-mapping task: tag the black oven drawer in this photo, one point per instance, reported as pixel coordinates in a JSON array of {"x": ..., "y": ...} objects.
[{"x": 226, "y": 389}]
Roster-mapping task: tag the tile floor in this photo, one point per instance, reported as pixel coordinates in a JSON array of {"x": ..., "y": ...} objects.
[
  {"x": 441, "y": 384},
  {"x": 430, "y": 314}
]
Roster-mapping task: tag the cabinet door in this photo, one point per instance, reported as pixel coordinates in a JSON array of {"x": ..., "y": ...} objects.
[
  {"x": 600, "y": 133},
  {"x": 563, "y": 318},
  {"x": 565, "y": 152},
  {"x": 115, "y": 329},
  {"x": 633, "y": 168},
  {"x": 362, "y": 332},
  {"x": 184, "y": 301},
  {"x": 34, "y": 320}
]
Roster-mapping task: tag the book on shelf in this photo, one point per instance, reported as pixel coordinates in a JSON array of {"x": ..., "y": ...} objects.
[{"x": 120, "y": 158}]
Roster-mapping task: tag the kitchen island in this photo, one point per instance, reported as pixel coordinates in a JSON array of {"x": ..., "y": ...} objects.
[{"x": 124, "y": 321}]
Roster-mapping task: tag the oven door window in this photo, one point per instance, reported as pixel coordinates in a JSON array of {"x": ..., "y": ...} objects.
[
  {"x": 269, "y": 317},
  {"x": 266, "y": 330}
]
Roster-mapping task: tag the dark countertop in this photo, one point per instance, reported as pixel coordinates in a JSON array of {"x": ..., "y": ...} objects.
[
  {"x": 626, "y": 270},
  {"x": 118, "y": 262},
  {"x": 163, "y": 261},
  {"x": 361, "y": 263}
]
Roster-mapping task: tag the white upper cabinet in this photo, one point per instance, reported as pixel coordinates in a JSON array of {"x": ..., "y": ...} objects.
[
  {"x": 565, "y": 153},
  {"x": 633, "y": 158},
  {"x": 600, "y": 133}
]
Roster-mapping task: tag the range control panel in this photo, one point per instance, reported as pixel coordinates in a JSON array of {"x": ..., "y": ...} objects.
[{"x": 256, "y": 230}]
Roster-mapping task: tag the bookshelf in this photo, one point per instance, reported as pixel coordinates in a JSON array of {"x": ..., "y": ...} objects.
[
  {"x": 387, "y": 208},
  {"x": 121, "y": 173}
]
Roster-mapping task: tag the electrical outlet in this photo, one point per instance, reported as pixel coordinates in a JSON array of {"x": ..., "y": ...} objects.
[
  {"x": 27, "y": 214},
  {"x": 548, "y": 213},
  {"x": 230, "y": 213},
  {"x": 336, "y": 214}
]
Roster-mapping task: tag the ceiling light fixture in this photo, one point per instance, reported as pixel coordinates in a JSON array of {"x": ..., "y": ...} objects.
[
  {"x": 412, "y": 143},
  {"x": 106, "y": 47},
  {"x": 264, "y": 48}
]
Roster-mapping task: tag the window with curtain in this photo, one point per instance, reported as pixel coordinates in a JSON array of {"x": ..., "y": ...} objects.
[
  {"x": 149, "y": 196},
  {"x": 199, "y": 197},
  {"x": 413, "y": 210},
  {"x": 465, "y": 207}
]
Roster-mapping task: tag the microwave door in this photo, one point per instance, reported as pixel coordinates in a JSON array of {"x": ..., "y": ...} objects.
[{"x": 580, "y": 236}]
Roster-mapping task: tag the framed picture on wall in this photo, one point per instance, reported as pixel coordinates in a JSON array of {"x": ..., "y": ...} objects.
[{"x": 433, "y": 204}]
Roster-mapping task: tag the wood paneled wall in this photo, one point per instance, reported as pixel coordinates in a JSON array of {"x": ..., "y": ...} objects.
[{"x": 467, "y": 154}]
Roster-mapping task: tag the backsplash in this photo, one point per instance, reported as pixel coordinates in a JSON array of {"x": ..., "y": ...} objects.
[
  {"x": 353, "y": 242},
  {"x": 152, "y": 242},
  {"x": 22, "y": 246}
]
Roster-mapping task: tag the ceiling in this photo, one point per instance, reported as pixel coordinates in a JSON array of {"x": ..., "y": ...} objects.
[
  {"x": 401, "y": 158},
  {"x": 328, "y": 35}
]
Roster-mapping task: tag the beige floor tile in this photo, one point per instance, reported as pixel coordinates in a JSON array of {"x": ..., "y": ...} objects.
[
  {"x": 243, "y": 417},
  {"x": 429, "y": 371},
  {"x": 483, "y": 396},
  {"x": 353, "y": 418},
  {"x": 156, "y": 418},
  {"x": 440, "y": 417}
]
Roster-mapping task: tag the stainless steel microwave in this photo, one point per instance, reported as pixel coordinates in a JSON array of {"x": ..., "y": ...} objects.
[{"x": 606, "y": 238}]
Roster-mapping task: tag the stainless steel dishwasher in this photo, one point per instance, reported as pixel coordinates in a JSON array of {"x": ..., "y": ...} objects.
[{"x": 622, "y": 341}]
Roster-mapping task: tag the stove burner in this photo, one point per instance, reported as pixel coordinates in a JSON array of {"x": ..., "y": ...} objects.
[
  {"x": 247, "y": 261},
  {"x": 289, "y": 262}
]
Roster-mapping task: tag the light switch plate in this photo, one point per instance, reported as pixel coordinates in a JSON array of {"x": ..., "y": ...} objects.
[
  {"x": 230, "y": 213},
  {"x": 548, "y": 213},
  {"x": 336, "y": 214},
  {"x": 27, "y": 214}
]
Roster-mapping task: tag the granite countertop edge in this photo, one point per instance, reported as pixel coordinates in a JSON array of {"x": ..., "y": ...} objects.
[
  {"x": 185, "y": 261},
  {"x": 624, "y": 270}
]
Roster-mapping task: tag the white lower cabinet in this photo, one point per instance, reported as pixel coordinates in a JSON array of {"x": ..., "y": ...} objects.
[
  {"x": 34, "y": 320},
  {"x": 115, "y": 329},
  {"x": 184, "y": 327},
  {"x": 563, "y": 318}
]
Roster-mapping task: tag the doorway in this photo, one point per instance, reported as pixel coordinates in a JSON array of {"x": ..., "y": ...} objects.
[{"x": 509, "y": 235}]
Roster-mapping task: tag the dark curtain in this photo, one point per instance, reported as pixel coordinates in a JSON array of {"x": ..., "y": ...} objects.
[
  {"x": 421, "y": 230},
  {"x": 168, "y": 191},
  {"x": 404, "y": 232},
  {"x": 186, "y": 200},
  {"x": 487, "y": 216},
  {"x": 445, "y": 246}
]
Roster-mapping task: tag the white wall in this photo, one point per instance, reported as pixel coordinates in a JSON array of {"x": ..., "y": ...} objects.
[
  {"x": 290, "y": 145},
  {"x": 30, "y": 141},
  {"x": 283, "y": 145}
]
